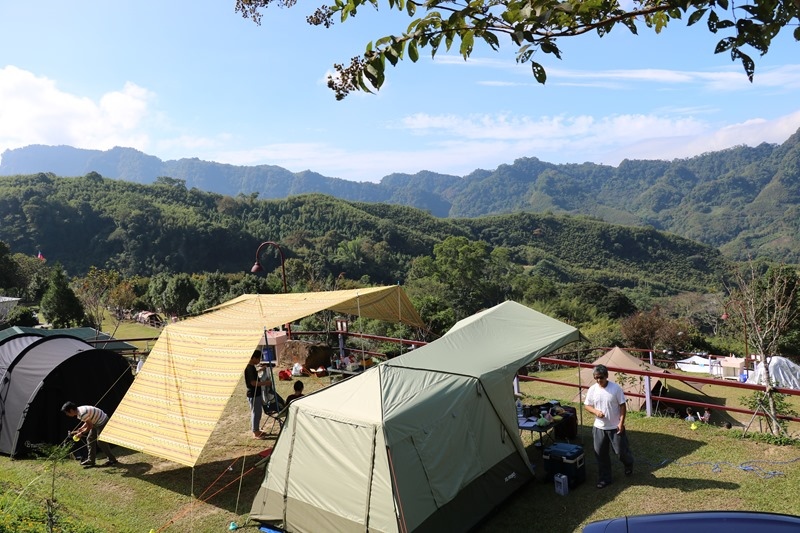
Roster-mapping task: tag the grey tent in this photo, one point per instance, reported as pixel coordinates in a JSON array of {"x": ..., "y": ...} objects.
[
  {"x": 38, "y": 374},
  {"x": 427, "y": 441},
  {"x": 96, "y": 338}
]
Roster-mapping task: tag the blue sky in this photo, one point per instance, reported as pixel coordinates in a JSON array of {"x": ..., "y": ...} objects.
[{"x": 194, "y": 79}]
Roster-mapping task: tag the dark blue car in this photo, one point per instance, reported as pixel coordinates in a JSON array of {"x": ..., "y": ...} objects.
[{"x": 699, "y": 522}]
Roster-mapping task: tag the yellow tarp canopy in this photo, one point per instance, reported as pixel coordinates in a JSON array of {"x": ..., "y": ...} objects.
[{"x": 181, "y": 391}]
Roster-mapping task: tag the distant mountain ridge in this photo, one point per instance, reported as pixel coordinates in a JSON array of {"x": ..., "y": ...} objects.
[{"x": 744, "y": 200}]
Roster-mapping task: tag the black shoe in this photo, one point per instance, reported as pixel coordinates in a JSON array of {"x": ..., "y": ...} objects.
[
  {"x": 87, "y": 464},
  {"x": 110, "y": 462}
]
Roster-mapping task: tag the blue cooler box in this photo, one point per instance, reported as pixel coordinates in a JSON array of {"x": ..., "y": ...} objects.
[{"x": 567, "y": 459}]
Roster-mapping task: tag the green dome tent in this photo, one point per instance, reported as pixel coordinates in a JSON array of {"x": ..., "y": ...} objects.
[{"x": 427, "y": 441}]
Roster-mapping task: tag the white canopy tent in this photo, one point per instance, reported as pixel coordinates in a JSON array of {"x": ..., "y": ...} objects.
[{"x": 783, "y": 373}]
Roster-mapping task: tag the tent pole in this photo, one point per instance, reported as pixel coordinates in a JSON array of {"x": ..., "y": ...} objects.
[
  {"x": 363, "y": 359},
  {"x": 647, "y": 395},
  {"x": 580, "y": 392}
]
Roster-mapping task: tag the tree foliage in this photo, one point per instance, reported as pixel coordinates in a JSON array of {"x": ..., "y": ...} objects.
[
  {"x": 142, "y": 230},
  {"x": 651, "y": 330},
  {"x": 765, "y": 301},
  {"x": 94, "y": 290},
  {"x": 21, "y": 316},
  {"x": 60, "y": 306},
  {"x": 10, "y": 278},
  {"x": 536, "y": 27}
]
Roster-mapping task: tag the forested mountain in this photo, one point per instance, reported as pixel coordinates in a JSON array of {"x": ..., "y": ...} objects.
[
  {"x": 744, "y": 201},
  {"x": 164, "y": 227}
]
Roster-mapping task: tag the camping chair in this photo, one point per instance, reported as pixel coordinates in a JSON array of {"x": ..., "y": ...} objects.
[
  {"x": 272, "y": 402},
  {"x": 274, "y": 408}
]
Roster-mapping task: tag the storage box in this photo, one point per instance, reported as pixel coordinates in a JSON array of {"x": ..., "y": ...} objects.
[
  {"x": 568, "y": 428},
  {"x": 276, "y": 343},
  {"x": 562, "y": 484},
  {"x": 565, "y": 459}
]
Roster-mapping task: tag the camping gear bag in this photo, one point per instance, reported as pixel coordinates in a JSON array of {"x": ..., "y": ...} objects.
[{"x": 568, "y": 428}]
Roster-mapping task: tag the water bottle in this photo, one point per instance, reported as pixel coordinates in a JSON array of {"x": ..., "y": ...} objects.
[{"x": 519, "y": 408}]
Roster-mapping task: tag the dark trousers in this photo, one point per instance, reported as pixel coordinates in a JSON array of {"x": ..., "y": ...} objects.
[
  {"x": 92, "y": 443},
  {"x": 609, "y": 438}
]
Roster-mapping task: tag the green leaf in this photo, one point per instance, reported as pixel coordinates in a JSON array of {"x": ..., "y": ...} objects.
[
  {"x": 538, "y": 72},
  {"x": 435, "y": 42},
  {"x": 549, "y": 47},
  {"x": 413, "y": 53},
  {"x": 661, "y": 20},
  {"x": 363, "y": 86},
  {"x": 391, "y": 55},
  {"x": 797, "y": 33},
  {"x": 724, "y": 44},
  {"x": 752, "y": 10},
  {"x": 411, "y": 8},
  {"x": 748, "y": 64},
  {"x": 696, "y": 16},
  {"x": 723, "y": 4},
  {"x": 491, "y": 40},
  {"x": 399, "y": 48},
  {"x": 467, "y": 42},
  {"x": 374, "y": 72},
  {"x": 448, "y": 39},
  {"x": 712, "y": 22},
  {"x": 631, "y": 25}
]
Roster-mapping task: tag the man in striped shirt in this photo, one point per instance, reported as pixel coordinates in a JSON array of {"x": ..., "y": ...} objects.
[{"x": 93, "y": 421}]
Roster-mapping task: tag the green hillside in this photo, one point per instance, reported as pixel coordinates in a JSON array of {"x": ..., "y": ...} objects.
[
  {"x": 743, "y": 200},
  {"x": 165, "y": 227}
]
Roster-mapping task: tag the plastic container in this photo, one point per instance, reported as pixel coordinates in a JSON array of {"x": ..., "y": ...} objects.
[
  {"x": 567, "y": 459},
  {"x": 562, "y": 484}
]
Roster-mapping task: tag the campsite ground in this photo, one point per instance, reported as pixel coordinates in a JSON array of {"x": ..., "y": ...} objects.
[{"x": 677, "y": 469}]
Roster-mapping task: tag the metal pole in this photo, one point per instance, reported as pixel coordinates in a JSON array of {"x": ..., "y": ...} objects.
[
  {"x": 259, "y": 267},
  {"x": 648, "y": 400}
]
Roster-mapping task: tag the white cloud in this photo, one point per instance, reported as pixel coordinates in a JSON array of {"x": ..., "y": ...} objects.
[
  {"x": 460, "y": 144},
  {"x": 546, "y": 129},
  {"x": 33, "y": 110},
  {"x": 728, "y": 78},
  {"x": 750, "y": 132}
]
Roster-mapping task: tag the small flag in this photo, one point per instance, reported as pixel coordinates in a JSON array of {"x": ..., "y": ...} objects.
[{"x": 39, "y": 256}]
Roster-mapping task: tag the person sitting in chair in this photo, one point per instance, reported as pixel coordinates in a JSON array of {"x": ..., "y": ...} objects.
[{"x": 298, "y": 392}]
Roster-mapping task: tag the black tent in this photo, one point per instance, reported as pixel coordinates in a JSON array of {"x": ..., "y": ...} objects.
[{"x": 38, "y": 374}]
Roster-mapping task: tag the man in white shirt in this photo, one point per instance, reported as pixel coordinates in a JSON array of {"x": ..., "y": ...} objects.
[
  {"x": 94, "y": 419},
  {"x": 606, "y": 401}
]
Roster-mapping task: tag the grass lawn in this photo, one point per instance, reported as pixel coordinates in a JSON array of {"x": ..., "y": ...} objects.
[
  {"x": 677, "y": 469},
  {"x": 132, "y": 330}
]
